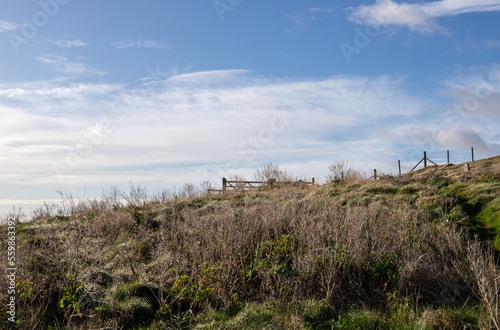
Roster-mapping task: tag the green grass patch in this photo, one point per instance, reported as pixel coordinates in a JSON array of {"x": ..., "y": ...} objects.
[{"x": 380, "y": 188}]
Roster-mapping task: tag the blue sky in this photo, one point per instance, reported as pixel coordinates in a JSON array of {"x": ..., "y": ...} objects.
[{"x": 158, "y": 93}]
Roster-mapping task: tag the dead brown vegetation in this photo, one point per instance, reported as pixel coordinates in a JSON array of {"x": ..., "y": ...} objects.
[{"x": 128, "y": 259}]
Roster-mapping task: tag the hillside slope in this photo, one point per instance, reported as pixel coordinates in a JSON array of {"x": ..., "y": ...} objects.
[
  {"x": 356, "y": 254},
  {"x": 472, "y": 196}
]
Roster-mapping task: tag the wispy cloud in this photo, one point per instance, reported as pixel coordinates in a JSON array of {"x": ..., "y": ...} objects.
[
  {"x": 305, "y": 16},
  {"x": 142, "y": 43},
  {"x": 58, "y": 99},
  {"x": 469, "y": 120},
  {"x": 321, "y": 10},
  {"x": 51, "y": 92},
  {"x": 196, "y": 120},
  {"x": 477, "y": 92},
  {"x": 421, "y": 17},
  {"x": 189, "y": 127},
  {"x": 8, "y": 26},
  {"x": 62, "y": 65},
  {"x": 69, "y": 43},
  {"x": 213, "y": 78},
  {"x": 492, "y": 43}
]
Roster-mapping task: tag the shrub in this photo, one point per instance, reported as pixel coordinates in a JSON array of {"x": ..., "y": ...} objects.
[{"x": 343, "y": 171}]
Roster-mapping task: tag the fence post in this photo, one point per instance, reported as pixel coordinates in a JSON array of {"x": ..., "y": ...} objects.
[
  {"x": 375, "y": 174},
  {"x": 448, "y": 156},
  {"x": 472, "y": 150},
  {"x": 313, "y": 181},
  {"x": 224, "y": 183},
  {"x": 399, "y": 165},
  {"x": 342, "y": 175},
  {"x": 425, "y": 158}
]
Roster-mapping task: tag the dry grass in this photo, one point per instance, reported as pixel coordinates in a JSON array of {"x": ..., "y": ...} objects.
[
  {"x": 162, "y": 261},
  {"x": 488, "y": 167}
]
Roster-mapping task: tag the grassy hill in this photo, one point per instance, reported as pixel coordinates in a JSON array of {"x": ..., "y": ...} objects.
[{"x": 403, "y": 252}]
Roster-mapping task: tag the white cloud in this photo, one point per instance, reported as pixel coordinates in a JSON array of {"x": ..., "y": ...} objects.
[
  {"x": 61, "y": 64},
  {"x": 476, "y": 91},
  {"x": 203, "y": 78},
  {"x": 8, "y": 26},
  {"x": 190, "y": 120},
  {"x": 142, "y": 43},
  {"x": 192, "y": 126},
  {"x": 69, "y": 43},
  {"x": 460, "y": 138},
  {"x": 51, "y": 91},
  {"x": 471, "y": 119},
  {"x": 418, "y": 17},
  {"x": 55, "y": 99}
]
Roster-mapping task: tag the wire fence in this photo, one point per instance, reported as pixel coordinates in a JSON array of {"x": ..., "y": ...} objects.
[{"x": 418, "y": 159}]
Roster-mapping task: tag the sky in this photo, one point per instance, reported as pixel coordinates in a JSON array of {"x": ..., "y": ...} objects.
[{"x": 96, "y": 94}]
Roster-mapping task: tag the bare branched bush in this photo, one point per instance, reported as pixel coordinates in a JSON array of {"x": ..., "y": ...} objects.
[
  {"x": 190, "y": 190},
  {"x": 45, "y": 210},
  {"x": 273, "y": 172},
  {"x": 138, "y": 196},
  {"x": 343, "y": 171},
  {"x": 112, "y": 196},
  {"x": 17, "y": 214},
  {"x": 206, "y": 185},
  {"x": 237, "y": 177}
]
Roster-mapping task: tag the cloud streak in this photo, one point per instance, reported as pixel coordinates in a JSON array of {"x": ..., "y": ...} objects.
[
  {"x": 141, "y": 43},
  {"x": 8, "y": 26},
  {"x": 311, "y": 14},
  {"x": 61, "y": 64},
  {"x": 69, "y": 43},
  {"x": 421, "y": 18},
  {"x": 492, "y": 43}
]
